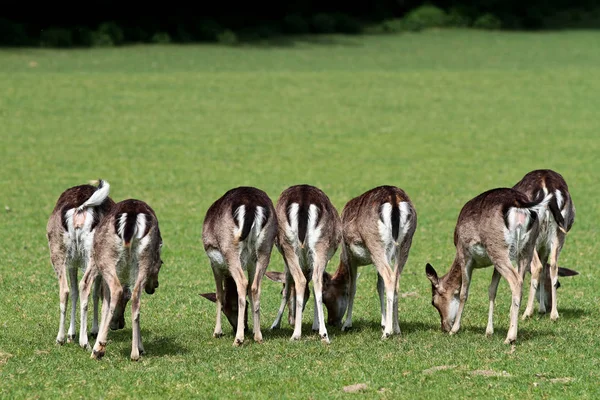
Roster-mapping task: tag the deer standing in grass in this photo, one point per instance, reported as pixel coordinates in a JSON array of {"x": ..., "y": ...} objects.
[
  {"x": 238, "y": 234},
  {"x": 126, "y": 252},
  {"x": 555, "y": 221},
  {"x": 377, "y": 228},
  {"x": 309, "y": 234},
  {"x": 70, "y": 233},
  {"x": 495, "y": 228}
]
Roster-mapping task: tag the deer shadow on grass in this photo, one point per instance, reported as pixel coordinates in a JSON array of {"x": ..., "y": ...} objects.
[{"x": 154, "y": 345}]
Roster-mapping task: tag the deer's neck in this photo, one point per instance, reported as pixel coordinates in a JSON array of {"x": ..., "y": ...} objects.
[{"x": 454, "y": 277}]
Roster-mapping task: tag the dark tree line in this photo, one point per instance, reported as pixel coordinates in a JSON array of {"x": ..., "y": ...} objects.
[{"x": 89, "y": 23}]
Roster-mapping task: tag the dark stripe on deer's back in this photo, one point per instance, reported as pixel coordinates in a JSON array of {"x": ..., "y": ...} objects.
[{"x": 249, "y": 217}]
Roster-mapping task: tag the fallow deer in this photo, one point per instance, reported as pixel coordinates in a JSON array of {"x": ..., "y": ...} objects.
[
  {"x": 70, "y": 233},
  {"x": 494, "y": 228},
  {"x": 238, "y": 234},
  {"x": 555, "y": 222},
  {"x": 126, "y": 252},
  {"x": 309, "y": 234},
  {"x": 378, "y": 228},
  {"x": 229, "y": 304}
]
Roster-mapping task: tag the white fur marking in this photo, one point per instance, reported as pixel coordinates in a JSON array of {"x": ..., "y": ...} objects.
[
  {"x": 292, "y": 227},
  {"x": 453, "y": 308},
  {"x": 98, "y": 197},
  {"x": 140, "y": 225},
  {"x": 559, "y": 198},
  {"x": 121, "y": 228},
  {"x": 313, "y": 231}
]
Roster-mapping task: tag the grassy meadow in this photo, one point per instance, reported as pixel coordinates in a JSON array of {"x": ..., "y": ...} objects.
[{"x": 445, "y": 115}]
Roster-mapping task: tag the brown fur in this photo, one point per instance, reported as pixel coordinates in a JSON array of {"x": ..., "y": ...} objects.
[
  {"x": 361, "y": 218},
  {"x": 119, "y": 265},
  {"x": 229, "y": 245},
  {"x": 544, "y": 266},
  {"x": 61, "y": 254},
  {"x": 481, "y": 226},
  {"x": 303, "y": 262}
]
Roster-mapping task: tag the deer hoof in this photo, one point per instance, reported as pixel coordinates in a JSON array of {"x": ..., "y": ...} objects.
[
  {"x": 97, "y": 354},
  {"x": 510, "y": 341}
]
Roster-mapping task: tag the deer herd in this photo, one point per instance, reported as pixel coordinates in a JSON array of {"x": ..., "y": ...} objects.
[{"x": 117, "y": 246}]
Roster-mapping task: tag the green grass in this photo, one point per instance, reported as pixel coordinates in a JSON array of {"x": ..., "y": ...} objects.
[{"x": 445, "y": 115}]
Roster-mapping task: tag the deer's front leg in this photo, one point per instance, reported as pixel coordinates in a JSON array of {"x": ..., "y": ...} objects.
[
  {"x": 353, "y": 274},
  {"x": 262, "y": 262},
  {"x": 218, "y": 332},
  {"x": 467, "y": 270},
  {"x": 554, "y": 252},
  {"x": 489, "y": 330}
]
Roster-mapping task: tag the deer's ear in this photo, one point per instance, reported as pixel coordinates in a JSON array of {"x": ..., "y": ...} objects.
[
  {"x": 210, "y": 296},
  {"x": 275, "y": 276},
  {"x": 432, "y": 275},
  {"x": 566, "y": 272}
]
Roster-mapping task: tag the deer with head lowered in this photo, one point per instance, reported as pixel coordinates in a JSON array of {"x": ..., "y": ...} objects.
[
  {"x": 309, "y": 234},
  {"x": 555, "y": 221},
  {"x": 126, "y": 252},
  {"x": 238, "y": 234},
  {"x": 70, "y": 233},
  {"x": 377, "y": 228},
  {"x": 495, "y": 228}
]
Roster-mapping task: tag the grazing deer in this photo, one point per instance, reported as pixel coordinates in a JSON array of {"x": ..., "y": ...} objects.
[
  {"x": 238, "y": 234},
  {"x": 494, "y": 228},
  {"x": 555, "y": 222},
  {"x": 291, "y": 296},
  {"x": 229, "y": 304},
  {"x": 126, "y": 251},
  {"x": 309, "y": 234},
  {"x": 70, "y": 233},
  {"x": 378, "y": 227}
]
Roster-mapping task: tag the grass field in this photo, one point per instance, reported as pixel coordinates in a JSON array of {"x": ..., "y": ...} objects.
[{"x": 445, "y": 115}]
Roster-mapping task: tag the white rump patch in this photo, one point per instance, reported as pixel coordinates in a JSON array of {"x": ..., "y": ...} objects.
[
  {"x": 559, "y": 198},
  {"x": 516, "y": 235},
  {"x": 140, "y": 225},
  {"x": 79, "y": 236},
  {"x": 239, "y": 214},
  {"x": 291, "y": 231},
  {"x": 121, "y": 227},
  {"x": 313, "y": 232},
  {"x": 404, "y": 220}
]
